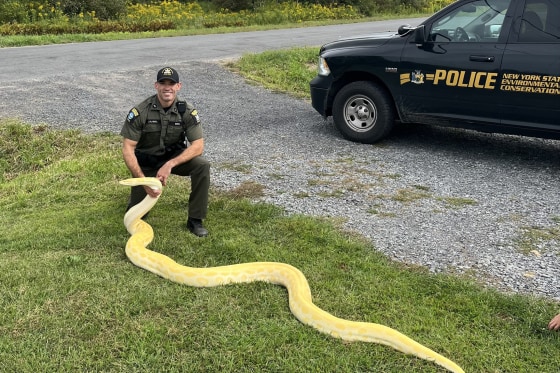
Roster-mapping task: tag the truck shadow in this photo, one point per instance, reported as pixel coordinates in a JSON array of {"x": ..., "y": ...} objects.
[{"x": 476, "y": 146}]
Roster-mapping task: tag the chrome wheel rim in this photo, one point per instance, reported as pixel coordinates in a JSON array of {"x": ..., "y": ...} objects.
[{"x": 360, "y": 113}]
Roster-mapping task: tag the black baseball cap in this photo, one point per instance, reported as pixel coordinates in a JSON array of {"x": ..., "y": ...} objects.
[{"x": 168, "y": 73}]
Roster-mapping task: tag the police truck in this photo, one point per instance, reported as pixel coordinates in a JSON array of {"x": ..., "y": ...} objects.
[{"x": 487, "y": 65}]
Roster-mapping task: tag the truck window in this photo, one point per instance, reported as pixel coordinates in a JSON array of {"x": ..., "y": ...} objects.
[
  {"x": 477, "y": 21},
  {"x": 540, "y": 22}
]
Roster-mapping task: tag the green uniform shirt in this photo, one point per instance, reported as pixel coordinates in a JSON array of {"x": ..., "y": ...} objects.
[{"x": 155, "y": 128}]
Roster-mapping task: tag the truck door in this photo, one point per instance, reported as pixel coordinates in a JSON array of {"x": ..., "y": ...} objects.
[
  {"x": 455, "y": 73},
  {"x": 530, "y": 84}
]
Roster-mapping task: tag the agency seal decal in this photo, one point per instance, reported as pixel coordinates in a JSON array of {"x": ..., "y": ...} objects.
[
  {"x": 132, "y": 114},
  {"x": 416, "y": 77}
]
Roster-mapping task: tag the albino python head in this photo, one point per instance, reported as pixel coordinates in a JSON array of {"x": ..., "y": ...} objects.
[{"x": 152, "y": 182}]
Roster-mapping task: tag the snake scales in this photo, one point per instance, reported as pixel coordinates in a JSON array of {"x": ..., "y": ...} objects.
[{"x": 291, "y": 278}]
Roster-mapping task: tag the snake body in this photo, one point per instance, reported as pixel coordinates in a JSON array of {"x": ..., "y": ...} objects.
[{"x": 299, "y": 293}]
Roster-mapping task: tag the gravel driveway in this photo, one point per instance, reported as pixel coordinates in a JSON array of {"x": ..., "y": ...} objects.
[{"x": 450, "y": 200}]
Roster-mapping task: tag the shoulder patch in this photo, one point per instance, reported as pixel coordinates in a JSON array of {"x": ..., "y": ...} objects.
[
  {"x": 194, "y": 114},
  {"x": 132, "y": 114}
]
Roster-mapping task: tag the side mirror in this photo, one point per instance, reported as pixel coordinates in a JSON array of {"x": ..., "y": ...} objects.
[
  {"x": 405, "y": 29},
  {"x": 420, "y": 35}
]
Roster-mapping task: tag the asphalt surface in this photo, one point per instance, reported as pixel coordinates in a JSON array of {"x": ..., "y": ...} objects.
[
  {"x": 446, "y": 199},
  {"x": 66, "y": 59}
]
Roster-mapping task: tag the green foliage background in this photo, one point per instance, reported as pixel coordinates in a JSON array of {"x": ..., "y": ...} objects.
[{"x": 29, "y": 11}]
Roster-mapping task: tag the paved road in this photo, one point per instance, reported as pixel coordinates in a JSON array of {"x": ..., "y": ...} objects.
[{"x": 46, "y": 61}]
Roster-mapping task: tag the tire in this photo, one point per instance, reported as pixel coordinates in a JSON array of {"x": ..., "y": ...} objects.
[{"x": 363, "y": 112}]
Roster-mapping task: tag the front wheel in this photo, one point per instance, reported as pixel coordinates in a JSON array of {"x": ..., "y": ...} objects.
[{"x": 363, "y": 112}]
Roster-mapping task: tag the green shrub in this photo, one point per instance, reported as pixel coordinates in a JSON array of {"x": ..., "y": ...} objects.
[
  {"x": 234, "y": 5},
  {"x": 103, "y": 9},
  {"x": 87, "y": 27},
  {"x": 12, "y": 11},
  {"x": 374, "y": 7}
]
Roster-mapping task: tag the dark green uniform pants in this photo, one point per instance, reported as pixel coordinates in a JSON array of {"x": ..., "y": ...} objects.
[{"x": 199, "y": 170}]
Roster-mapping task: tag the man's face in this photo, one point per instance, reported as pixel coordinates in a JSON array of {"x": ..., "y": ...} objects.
[{"x": 167, "y": 91}]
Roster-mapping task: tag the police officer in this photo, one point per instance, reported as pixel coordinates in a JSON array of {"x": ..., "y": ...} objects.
[{"x": 163, "y": 135}]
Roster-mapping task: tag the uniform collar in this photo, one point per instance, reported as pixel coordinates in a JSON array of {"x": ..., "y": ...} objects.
[{"x": 156, "y": 105}]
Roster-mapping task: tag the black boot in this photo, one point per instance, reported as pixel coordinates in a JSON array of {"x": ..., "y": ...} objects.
[{"x": 196, "y": 227}]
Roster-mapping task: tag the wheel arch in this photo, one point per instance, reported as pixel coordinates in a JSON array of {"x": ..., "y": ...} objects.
[{"x": 355, "y": 76}]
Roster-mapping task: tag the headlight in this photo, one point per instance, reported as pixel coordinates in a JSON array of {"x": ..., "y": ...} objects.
[{"x": 323, "y": 68}]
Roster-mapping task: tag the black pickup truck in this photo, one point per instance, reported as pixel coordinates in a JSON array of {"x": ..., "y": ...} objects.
[{"x": 488, "y": 65}]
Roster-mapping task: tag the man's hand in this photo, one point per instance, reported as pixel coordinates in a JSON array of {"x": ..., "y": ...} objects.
[
  {"x": 554, "y": 324},
  {"x": 164, "y": 172},
  {"x": 151, "y": 192}
]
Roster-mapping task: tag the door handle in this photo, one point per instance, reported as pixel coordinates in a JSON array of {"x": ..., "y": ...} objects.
[{"x": 482, "y": 58}]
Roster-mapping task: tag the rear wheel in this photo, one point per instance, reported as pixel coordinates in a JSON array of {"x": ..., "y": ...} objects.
[{"x": 363, "y": 112}]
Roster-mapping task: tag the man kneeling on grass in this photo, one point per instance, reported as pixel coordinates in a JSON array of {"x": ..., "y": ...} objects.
[{"x": 163, "y": 136}]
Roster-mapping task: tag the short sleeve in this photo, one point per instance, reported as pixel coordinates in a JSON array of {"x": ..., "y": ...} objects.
[
  {"x": 193, "y": 124},
  {"x": 132, "y": 128}
]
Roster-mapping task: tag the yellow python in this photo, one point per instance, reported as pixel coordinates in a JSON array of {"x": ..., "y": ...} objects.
[{"x": 286, "y": 275}]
